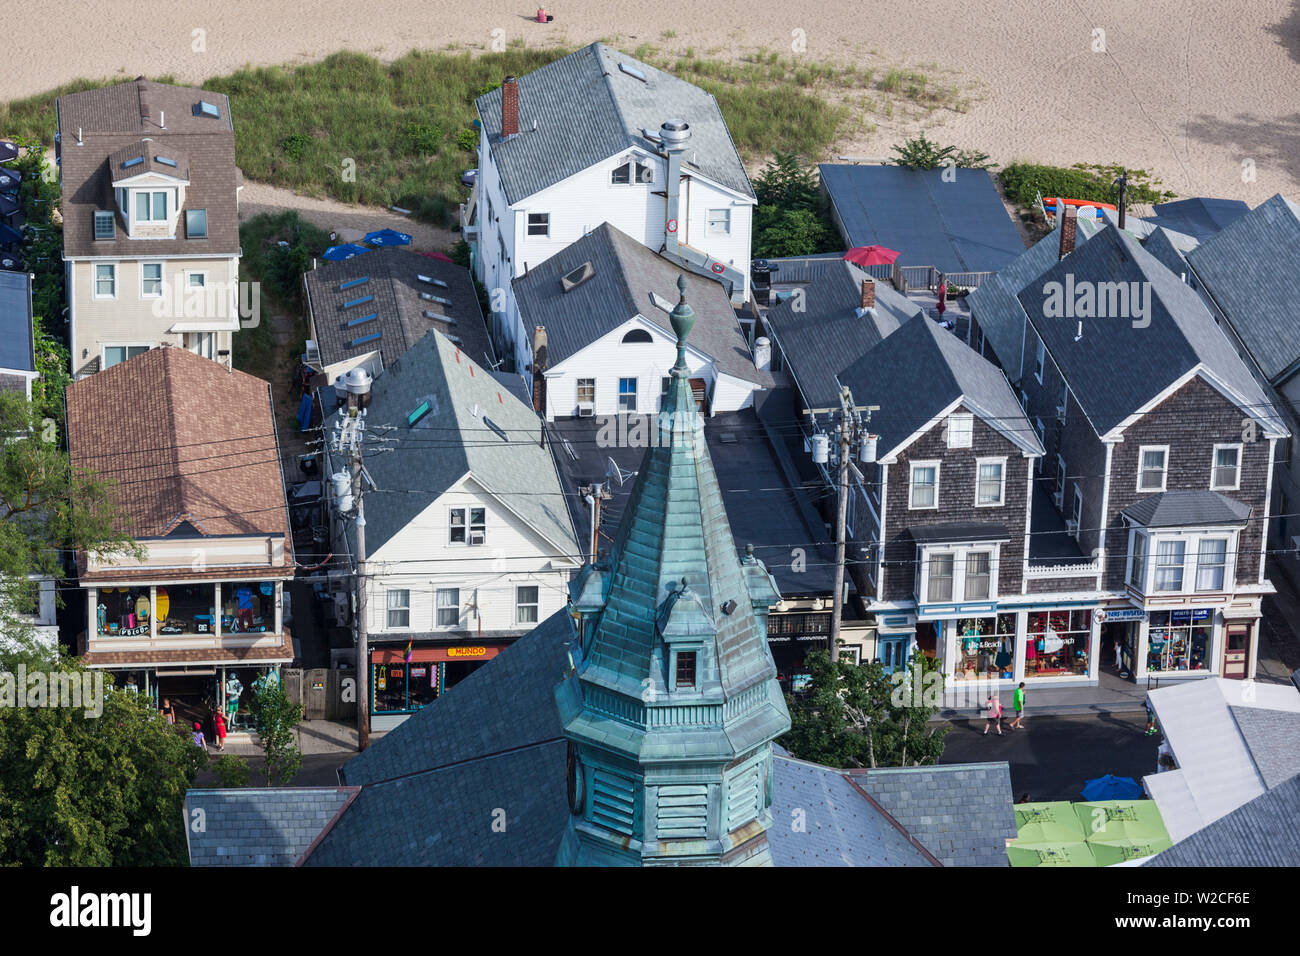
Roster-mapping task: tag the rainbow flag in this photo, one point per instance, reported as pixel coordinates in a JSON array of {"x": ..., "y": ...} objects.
[{"x": 407, "y": 655}]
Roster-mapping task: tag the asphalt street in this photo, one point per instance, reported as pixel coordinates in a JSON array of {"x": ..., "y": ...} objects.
[{"x": 1052, "y": 757}]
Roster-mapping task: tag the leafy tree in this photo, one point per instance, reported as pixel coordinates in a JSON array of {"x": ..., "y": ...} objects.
[
  {"x": 921, "y": 153},
  {"x": 79, "y": 790},
  {"x": 786, "y": 182},
  {"x": 274, "y": 717},
  {"x": 790, "y": 232},
  {"x": 231, "y": 771},
  {"x": 856, "y": 715}
]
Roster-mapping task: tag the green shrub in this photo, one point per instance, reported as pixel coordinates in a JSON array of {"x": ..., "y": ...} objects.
[
  {"x": 467, "y": 139},
  {"x": 294, "y": 145},
  {"x": 231, "y": 771},
  {"x": 422, "y": 138},
  {"x": 1023, "y": 182},
  {"x": 791, "y": 232}
]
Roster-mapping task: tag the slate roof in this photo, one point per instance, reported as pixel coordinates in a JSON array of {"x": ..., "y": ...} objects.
[
  {"x": 16, "y": 347},
  {"x": 453, "y": 440},
  {"x": 1249, "y": 269},
  {"x": 1273, "y": 739},
  {"x": 1170, "y": 249},
  {"x": 822, "y": 334},
  {"x": 841, "y": 826},
  {"x": 957, "y": 226},
  {"x": 1262, "y": 832},
  {"x": 1180, "y": 509},
  {"x": 1180, "y": 330},
  {"x": 626, "y": 273},
  {"x": 116, "y": 118},
  {"x": 1199, "y": 217},
  {"x": 399, "y": 310},
  {"x": 186, "y": 440},
  {"x": 260, "y": 826},
  {"x": 587, "y": 109},
  {"x": 947, "y": 370},
  {"x": 962, "y": 813}
]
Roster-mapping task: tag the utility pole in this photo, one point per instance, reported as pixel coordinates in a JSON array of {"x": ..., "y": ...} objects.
[
  {"x": 1122, "y": 185},
  {"x": 852, "y": 432}
]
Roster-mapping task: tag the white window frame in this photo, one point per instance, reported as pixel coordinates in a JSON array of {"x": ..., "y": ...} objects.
[
  {"x": 1002, "y": 474},
  {"x": 162, "y": 280},
  {"x": 1076, "y": 511},
  {"x": 529, "y": 225},
  {"x": 390, "y": 607},
  {"x": 203, "y": 344},
  {"x": 1223, "y": 568},
  {"x": 438, "y": 607},
  {"x": 95, "y": 267},
  {"x": 1164, "y": 471},
  {"x": 960, "y": 554},
  {"x": 1058, "y": 483},
  {"x": 577, "y": 391},
  {"x": 1156, "y": 566},
  {"x": 1040, "y": 361},
  {"x": 466, "y": 525},
  {"x": 1214, "y": 467},
  {"x": 990, "y": 590},
  {"x": 190, "y": 275},
  {"x": 961, "y": 430},
  {"x": 911, "y": 485},
  {"x": 103, "y": 351},
  {"x": 535, "y": 604},
  {"x": 635, "y": 393},
  {"x": 1134, "y": 537},
  {"x": 629, "y": 167},
  {"x": 150, "y": 192},
  {"x": 719, "y": 222},
  {"x": 1042, "y": 440},
  {"x": 952, "y": 577}
]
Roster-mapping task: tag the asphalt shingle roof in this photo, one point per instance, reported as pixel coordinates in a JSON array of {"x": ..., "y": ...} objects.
[
  {"x": 1262, "y": 832},
  {"x": 454, "y": 439},
  {"x": 1199, "y": 217},
  {"x": 259, "y": 827},
  {"x": 1178, "y": 509},
  {"x": 399, "y": 310},
  {"x": 586, "y": 109},
  {"x": 16, "y": 323},
  {"x": 1273, "y": 739},
  {"x": 961, "y": 813},
  {"x": 626, "y": 273},
  {"x": 1250, "y": 269},
  {"x": 954, "y": 224}
]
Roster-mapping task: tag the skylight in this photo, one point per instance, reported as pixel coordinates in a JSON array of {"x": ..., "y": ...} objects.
[
  {"x": 578, "y": 276},
  {"x": 430, "y": 297},
  {"x": 632, "y": 72},
  {"x": 204, "y": 108},
  {"x": 500, "y": 432},
  {"x": 353, "y": 282},
  {"x": 363, "y": 299},
  {"x": 372, "y": 337},
  {"x": 439, "y": 316},
  {"x": 362, "y": 320},
  {"x": 420, "y": 412},
  {"x": 432, "y": 281},
  {"x": 133, "y": 161},
  {"x": 165, "y": 161}
]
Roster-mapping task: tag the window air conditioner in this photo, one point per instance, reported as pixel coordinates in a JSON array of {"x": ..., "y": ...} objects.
[
  {"x": 1058, "y": 499},
  {"x": 1072, "y": 527},
  {"x": 586, "y": 409}
]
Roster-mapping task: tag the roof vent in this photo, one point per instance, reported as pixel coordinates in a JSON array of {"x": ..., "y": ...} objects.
[
  {"x": 633, "y": 72},
  {"x": 165, "y": 161},
  {"x": 578, "y": 276},
  {"x": 432, "y": 281},
  {"x": 430, "y": 297}
]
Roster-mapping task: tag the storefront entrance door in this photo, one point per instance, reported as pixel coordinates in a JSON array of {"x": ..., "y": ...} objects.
[{"x": 1236, "y": 651}]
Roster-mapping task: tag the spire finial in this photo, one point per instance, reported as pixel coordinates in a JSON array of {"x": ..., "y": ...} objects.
[{"x": 683, "y": 319}]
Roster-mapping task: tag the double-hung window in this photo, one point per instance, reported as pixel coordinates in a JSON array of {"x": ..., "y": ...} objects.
[
  {"x": 1137, "y": 574},
  {"x": 627, "y": 395},
  {"x": 990, "y": 482},
  {"x": 961, "y": 429},
  {"x": 977, "y": 576},
  {"x": 1153, "y": 464},
  {"x": 1211, "y": 560},
  {"x": 447, "y": 607},
  {"x": 526, "y": 604},
  {"x": 1227, "y": 468},
  {"x": 587, "y": 391},
  {"x": 151, "y": 280},
  {"x": 105, "y": 280},
  {"x": 1169, "y": 565},
  {"x": 940, "y": 585},
  {"x": 539, "y": 223},
  {"x": 925, "y": 484},
  {"x": 399, "y": 607}
]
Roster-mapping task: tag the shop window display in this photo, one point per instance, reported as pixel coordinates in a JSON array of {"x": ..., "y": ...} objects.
[
  {"x": 402, "y": 688},
  {"x": 123, "y": 612},
  {"x": 1179, "y": 640},
  {"x": 1056, "y": 644},
  {"x": 984, "y": 648}
]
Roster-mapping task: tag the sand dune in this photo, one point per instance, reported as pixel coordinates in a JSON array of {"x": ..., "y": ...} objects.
[{"x": 1191, "y": 90}]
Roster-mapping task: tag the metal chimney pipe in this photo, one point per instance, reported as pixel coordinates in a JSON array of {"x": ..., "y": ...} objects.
[{"x": 674, "y": 133}]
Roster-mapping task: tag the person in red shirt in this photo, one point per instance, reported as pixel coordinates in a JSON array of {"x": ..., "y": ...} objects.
[{"x": 221, "y": 731}]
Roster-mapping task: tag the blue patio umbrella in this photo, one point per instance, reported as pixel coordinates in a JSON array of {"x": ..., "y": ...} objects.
[
  {"x": 1111, "y": 787},
  {"x": 387, "y": 237},
  {"x": 9, "y": 179},
  {"x": 345, "y": 251},
  {"x": 8, "y": 151}
]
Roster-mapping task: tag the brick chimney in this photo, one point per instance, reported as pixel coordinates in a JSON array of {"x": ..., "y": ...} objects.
[
  {"x": 1069, "y": 223},
  {"x": 868, "y": 293},
  {"x": 539, "y": 370},
  {"x": 509, "y": 107}
]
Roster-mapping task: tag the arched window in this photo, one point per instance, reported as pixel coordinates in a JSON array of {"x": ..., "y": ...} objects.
[{"x": 637, "y": 335}]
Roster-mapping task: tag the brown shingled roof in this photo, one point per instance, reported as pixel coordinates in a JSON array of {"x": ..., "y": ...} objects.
[
  {"x": 186, "y": 440},
  {"x": 148, "y": 153},
  {"x": 114, "y": 119},
  {"x": 216, "y": 655}
]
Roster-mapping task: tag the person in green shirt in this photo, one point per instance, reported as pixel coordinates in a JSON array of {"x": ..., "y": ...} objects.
[{"x": 1018, "y": 704}]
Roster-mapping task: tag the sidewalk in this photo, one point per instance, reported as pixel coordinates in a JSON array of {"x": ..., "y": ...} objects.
[
  {"x": 1112, "y": 695},
  {"x": 314, "y": 737}
]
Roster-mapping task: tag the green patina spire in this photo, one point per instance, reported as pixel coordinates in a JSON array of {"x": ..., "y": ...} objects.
[{"x": 683, "y": 319}]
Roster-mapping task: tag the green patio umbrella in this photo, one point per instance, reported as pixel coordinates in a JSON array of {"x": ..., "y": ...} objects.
[
  {"x": 1060, "y": 811},
  {"x": 1112, "y": 821},
  {"x": 1050, "y": 854},
  {"x": 1051, "y": 831},
  {"x": 1121, "y": 851}
]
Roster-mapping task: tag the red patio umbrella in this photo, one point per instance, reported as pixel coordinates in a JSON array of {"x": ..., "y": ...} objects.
[{"x": 871, "y": 256}]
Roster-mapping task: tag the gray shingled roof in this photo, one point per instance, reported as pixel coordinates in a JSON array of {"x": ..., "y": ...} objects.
[
  {"x": 1250, "y": 269},
  {"x": 820, "y": 819},
  {"x": 1181, "y": 509},
  {"x": 454, "y": 439},
  {"x": 1273, "y": 739},
  {"x": 259, "y": 827},
  {"x": 1262, "y": 832},
  {"x": 16, "y": 322},
  {"x": 821, "y": 332},
  {"x": 1181, "y": 331},
  {"x": 961, "y": 813},
  {"x": 586, "y": 110},
  {"x": 1199, "y": 217},
  {"x": 399, "y": 310},
  {"x": 626, "y": 273},
  {"x": 1170, "y": 249},
  {"x": 918, "y": 372}
]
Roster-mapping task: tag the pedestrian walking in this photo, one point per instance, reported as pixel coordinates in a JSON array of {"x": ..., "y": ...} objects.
[
  {"x": 198, "y": 736},
  {"x": 168, "y": 712},
  {"x": 1018, "y": 704},
  {"x": 995, "y": 714},
  {"x": 1151, "y": 718},
  {"x": 220, "y": 723}
]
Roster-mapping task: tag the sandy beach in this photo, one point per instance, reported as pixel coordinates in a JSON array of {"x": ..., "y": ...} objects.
[{"x": 1197, "y": 92}]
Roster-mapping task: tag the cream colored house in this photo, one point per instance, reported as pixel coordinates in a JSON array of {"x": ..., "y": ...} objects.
[{"x": 151, "y": 224}]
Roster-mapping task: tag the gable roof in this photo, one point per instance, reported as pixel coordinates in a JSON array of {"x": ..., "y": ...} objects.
[
  {"x": 185, "y": 439},
  {"x": 626, "y": 273},
  {"x": 823, "y": 333},
  {"x": 962, "y": 813},
  {"x": 1182, "y": 509},
  {"x": 393, "y": 293},
  {"x": 16, "y": 337},
  {"x": 1271, "y": 737},
  {"x": 954, "y": 224},
  {"x": 1249, "y": 269},
  {"x": 919, "y": 371},
  {"x": 586, "y": 109},
  {"x": 1170, "y": 249},
  {"x": 1178, "y": 328},
  {"x": 1262, "y": 832},
  {"x": 114, "y": 119},
  {"x": 260, "y": 826},
  {"x": 454, "y": 439},
  {"x": 1199, "y": 217}
]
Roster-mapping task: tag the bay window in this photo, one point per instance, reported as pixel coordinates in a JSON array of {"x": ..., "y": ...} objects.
[
  {"x": 940, "y": 584},
  {"x": 977, "y": 576},
  {"x": 1169, "y": 564},
  {"x": 1211, "y": 560}
]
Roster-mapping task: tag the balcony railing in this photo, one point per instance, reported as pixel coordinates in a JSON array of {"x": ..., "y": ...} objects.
[{"x": 1038, "y": 570}]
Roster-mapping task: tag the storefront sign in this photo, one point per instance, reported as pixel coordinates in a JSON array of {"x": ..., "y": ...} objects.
[
  {"x": 1186, "y": 616},
  {"x": 467, "y": 652},
  {"x": 1121, "y": 614}
]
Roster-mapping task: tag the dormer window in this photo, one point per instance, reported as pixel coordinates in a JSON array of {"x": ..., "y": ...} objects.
[
  {"x": 196, "y": 223},
  {"x": 150, "y": 206},
  {"x": 685, "y": 670},
  {"x": 104, "y": 228}
]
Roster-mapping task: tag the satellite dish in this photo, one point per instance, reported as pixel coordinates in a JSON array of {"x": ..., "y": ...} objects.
[{"x": 616, "y": 474}]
